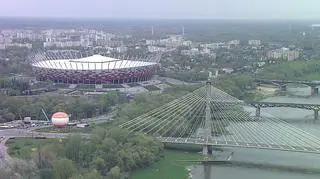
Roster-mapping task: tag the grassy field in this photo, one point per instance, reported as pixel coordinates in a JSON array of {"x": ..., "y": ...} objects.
[
  {"x": 169, "y": 167},
  {"x": 24, "y": 147}
]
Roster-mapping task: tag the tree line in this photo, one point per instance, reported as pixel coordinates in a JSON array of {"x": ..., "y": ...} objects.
[
  {"x": 12, "y": 108},
  {"x": 188, "y": 76},
  {"x": 14, "y": 60},
  {"x": 293, "y": 70},
  {"x": 107, "y": 154},
  {"x": 13, "y": 86}
]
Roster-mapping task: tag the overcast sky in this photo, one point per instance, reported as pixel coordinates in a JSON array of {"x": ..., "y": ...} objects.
[{"x": 231, "y": 9}]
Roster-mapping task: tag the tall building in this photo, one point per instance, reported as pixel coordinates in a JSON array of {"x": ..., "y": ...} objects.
[{"x": 283, "y": 53}]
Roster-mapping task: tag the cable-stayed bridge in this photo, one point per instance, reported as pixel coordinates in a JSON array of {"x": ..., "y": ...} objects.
[{"x": 211, "y": 117}]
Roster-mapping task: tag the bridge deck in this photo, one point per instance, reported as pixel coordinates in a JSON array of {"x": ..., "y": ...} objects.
[
  {"x": 239, "y": 144},
  {"x": 292, "y": 105}
]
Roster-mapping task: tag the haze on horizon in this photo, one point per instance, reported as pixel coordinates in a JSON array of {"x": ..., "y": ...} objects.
[{"x": 163, "y": 9}]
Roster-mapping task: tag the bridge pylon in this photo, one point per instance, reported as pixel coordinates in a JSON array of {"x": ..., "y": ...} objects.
[
  {"x": 316, "y": 114},
  {"x": 258, "y": 111},
  {"x": 207, "y": 149}
]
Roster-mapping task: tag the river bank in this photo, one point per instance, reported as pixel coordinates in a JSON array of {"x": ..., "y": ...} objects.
[{"x": 169, "y": 167}]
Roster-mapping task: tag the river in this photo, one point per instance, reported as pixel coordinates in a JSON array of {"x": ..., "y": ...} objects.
[{"x": 298, "y": 117}]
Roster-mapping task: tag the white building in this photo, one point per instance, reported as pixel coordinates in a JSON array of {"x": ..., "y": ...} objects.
[
  {"x": 156, "y": 49},
  {"x": 227, "y": 70},
  {"x": 151, "y": 42},
  {"x": 234, "y": 42},
  {"x": 187, "y": 43},
  {"x": 213, "y": 45},
  {"x": 205, "y": 51},
  {"x": 172, "y": 41},
  {"x": 22, "y": 45},
  {"x": 254, "y": 42},
  {"x": 122, "y": 49},
  {"x": 283, "y": 53},
  {"x": 193, "y": 51}
]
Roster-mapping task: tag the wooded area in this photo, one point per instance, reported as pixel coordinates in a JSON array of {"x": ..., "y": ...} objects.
[
  {"x": 110, "y": 154},
  {"x": 294, "y": 70},
  {"x": 11, "y": 108}
]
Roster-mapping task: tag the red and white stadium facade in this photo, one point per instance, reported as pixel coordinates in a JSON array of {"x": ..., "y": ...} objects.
[{"x": 96, "y": 69}]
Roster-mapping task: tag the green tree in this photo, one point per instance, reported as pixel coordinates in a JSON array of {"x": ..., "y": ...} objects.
[
  {"x": 114, "y": 173},
  {"x": 93, "y": 174},
  {"x": 73, "y": 148},
  {"x": 44, "y": 156},
  {"x": 99, "y": 164},
  {"x": 63, "y": 168}
]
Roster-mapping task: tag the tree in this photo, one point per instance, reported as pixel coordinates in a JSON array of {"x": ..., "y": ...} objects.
[
  {"x": 44, "y": 156},
  {"x": 98, "y": 134},
  {"x": 118, "y": 135},
  {"x": 7, "y": 173},
  {"x": 114, "y": 173},
  {"x": 73, "y": 148},
  {"x": 94, "y": 174},
  {"x": 63, "y": 168},
  {"x": 20, "y": 169},
  {"x": 99, "y": 164}
]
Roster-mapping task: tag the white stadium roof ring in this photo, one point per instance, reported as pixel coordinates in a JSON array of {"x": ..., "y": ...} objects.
[{"x": 95, "y": 62}]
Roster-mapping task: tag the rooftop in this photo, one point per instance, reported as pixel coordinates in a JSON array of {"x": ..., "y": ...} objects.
[{"x": 95, "y": 62}]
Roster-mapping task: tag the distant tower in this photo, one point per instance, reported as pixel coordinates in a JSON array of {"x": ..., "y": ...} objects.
[
  {"x": 152, "y": 31},
  {"x": 183, "y": 30}
]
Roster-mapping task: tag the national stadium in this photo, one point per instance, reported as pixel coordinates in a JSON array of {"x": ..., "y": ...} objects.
[{"x": 71, "y": 68}]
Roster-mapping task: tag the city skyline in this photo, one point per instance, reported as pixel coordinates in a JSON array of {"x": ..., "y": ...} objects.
[{"x": 165, "y": 9}]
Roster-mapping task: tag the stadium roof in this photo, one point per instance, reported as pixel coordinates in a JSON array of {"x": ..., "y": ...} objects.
[{"x": 95, "y": 62}]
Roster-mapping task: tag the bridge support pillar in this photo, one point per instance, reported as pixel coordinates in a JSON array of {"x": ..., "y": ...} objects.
[
  {"x": 316, "y": 114},
  {"x": 207, "y": 150},
  {"x": 314, "y": 90},
  {"x": 207, "y": 171},
  {"x": 283, "y": 87},
  {"x": 258, "y": 111}
]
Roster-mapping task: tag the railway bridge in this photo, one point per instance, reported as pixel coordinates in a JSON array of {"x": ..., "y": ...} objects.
[
  {"x": 259, "y": 105},
  {"x": 283, "y": 84}
]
